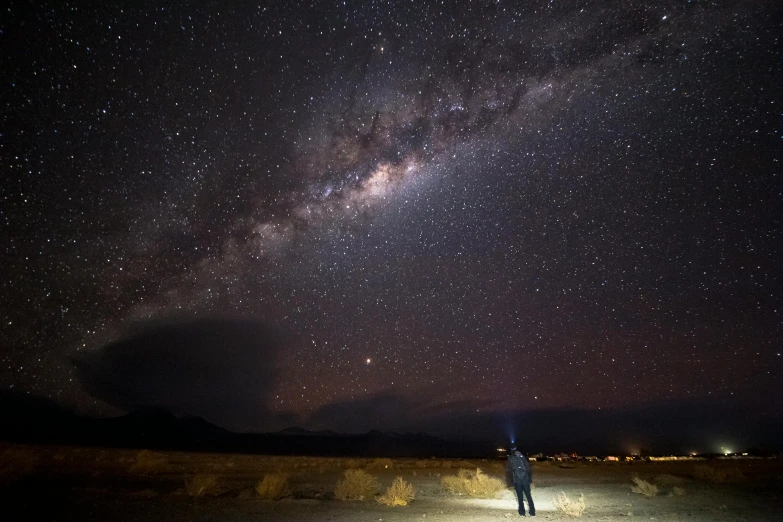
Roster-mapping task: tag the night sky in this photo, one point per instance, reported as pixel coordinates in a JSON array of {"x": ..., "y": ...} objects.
[{"x": 458, "y": 217}]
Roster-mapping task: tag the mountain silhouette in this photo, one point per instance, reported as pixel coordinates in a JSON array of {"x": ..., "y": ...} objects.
[{"x": 36, "y": 420}]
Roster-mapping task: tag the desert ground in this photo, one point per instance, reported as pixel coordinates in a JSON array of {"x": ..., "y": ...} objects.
[{"x": 85, "y": 484}]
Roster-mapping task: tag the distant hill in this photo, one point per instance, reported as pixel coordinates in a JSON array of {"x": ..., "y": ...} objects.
[{"x": 35, "y": 420}]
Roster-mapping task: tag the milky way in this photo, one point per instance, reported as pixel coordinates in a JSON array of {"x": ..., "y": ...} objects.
[{"x": 462, "y": 209}]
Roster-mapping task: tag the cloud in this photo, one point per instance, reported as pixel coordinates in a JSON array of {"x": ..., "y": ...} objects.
[{"x": 218, "y": 369}]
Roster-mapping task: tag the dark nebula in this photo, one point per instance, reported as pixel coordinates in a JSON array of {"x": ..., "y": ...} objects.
[{"x": 451, "y": 216}]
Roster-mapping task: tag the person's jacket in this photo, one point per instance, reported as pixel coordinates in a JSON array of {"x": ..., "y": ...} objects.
[{"x": 518, "y": 469}]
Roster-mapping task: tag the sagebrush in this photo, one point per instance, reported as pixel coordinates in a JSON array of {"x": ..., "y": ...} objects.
[
  {"x": 473, "y": 484},
  {"x": 400, "y": 493},
  {"x": 148, "y": 462},
  {"x": 273, "y": 486},
  {"x": 643, "y": 487},
  {"x": 568, "y": 507},
  {"x": 717, "y": 475},
  {"x": 201, "y": 484},
  {"x": 356, "y": 484}
]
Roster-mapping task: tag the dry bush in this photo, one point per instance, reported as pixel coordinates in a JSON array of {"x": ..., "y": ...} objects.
[
  {"x": 717, "y": 475},
  {"x": 400, "y": 493},
  {"x": 148, "y": 462},
  {"x": 356, "y": 484},
  {"x": 421, "y": 464},
  {"x": 472, "y": 483},
  {"x": 201, "y": 484},
  {"x": 16, "y": 463},
  {"x": 381, "y": 464},
  {"x": 678, "y": 491},
  {"x": 666, "y": 479},
  {"x": 643, "y": 487},
  {"x": 274, "y": 486},
  {"x": 568, "y": 507}
]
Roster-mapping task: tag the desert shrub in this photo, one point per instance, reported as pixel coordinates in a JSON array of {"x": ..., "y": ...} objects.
[
  {"x": 472, "y": 483},
  {"x": 421, "y": 464},
  {"x": 568, "y": 507},
  {"x": 16, "y": 463},
  {"x": 643, "y": 487},
  {"x": 380, "y": 464},
  {"x": 200, "y": 484},
  {"x": 147, "y": 462},
  {"x": 356, "y": 484},
  {"x": 678, "y": 491},
  {"x": 400, "y": 493},
  {"x": 717, "y": 475},
  {"x": 273, "y": 486}
]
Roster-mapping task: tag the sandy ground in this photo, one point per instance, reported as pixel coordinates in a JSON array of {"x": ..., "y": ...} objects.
[{"x": 61, "y": 483}]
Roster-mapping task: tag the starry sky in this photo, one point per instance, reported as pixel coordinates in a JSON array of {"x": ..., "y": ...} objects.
[{"x": 448, "y": 216}]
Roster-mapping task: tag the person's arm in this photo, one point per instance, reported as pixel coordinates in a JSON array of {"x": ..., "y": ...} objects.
[
  {"x": 509, "y": 474},
  {"x": 529, "y": 470}
]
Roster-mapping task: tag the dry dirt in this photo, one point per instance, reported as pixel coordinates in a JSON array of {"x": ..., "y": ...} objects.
[{"x": 85, "y": 484}]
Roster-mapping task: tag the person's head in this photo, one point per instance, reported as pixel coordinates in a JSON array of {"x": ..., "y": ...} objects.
[{"x": 513, "y": 449}]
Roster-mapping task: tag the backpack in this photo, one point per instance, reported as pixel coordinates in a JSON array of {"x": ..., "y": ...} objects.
[{"x": 519, "y": 468}]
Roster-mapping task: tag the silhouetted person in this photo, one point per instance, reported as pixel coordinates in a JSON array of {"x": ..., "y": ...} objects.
[{"x": 521, "y": 476}]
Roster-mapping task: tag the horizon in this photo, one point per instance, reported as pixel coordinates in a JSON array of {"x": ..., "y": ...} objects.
[{"x": 25, "y": 414}]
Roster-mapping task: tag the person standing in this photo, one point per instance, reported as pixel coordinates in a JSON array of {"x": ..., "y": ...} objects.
[{"x": 521, "y": 477}]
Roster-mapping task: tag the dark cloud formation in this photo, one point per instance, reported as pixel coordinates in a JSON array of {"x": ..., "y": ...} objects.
[
  {"x": 221, "y": 370},
  {"x": 517, "y": 207}
]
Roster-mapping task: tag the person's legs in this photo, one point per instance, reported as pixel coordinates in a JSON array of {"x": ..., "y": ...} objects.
[
  {"x": 518, "y": 486},
  {"x": 531, "y": 507}
]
